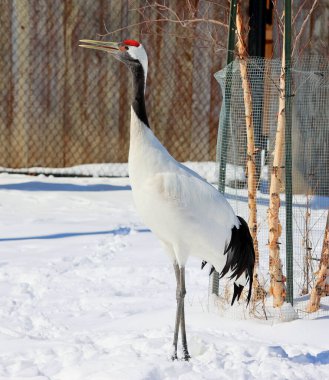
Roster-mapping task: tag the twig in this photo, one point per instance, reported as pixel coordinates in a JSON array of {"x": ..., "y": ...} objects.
[
  {"x": 183, "y": 23},
  {"x": 299, "y": 10},
  {"x": 303, "y": 26},
  {"x": 188, "y": 17},
  {"x": 218, "y": 5},
  {"x": 280, "y": 22}
]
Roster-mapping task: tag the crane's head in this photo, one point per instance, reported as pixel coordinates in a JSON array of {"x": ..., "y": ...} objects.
[{"x": 130, "y": 52}]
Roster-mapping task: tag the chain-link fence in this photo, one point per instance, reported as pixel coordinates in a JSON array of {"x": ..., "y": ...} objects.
[
  {"x": 310, "y": 151},
  {"x": 65, "y": 107}
]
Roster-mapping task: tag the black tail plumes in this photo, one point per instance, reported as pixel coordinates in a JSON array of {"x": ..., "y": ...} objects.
[
  {"x": 240, "y": 258},
  {"x": 237, "y": 293}
]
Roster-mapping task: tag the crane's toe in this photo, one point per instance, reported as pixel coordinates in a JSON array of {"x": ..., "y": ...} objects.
[
  {"x": 174, "y": 356},
  {"x": 186, "y": 356}
]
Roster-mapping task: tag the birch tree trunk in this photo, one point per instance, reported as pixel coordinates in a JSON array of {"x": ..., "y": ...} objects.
[
  {"x": 277, "y": 280},
  {"x": 258, "y": 292},
  {"x": 321, "y": 287}
]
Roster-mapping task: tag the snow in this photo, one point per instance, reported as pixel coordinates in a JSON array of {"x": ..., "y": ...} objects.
[{"x": 87, "y": 293}]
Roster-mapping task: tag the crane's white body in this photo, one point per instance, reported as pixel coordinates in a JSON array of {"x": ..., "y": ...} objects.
[{"x": 186, "y": 213}]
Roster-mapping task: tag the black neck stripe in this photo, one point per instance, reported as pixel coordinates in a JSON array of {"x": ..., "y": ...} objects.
[{"x": 138, "y": 102}]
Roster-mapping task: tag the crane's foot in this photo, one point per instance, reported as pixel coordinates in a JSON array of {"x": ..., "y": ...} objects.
[{"x": 186, "y": 355}]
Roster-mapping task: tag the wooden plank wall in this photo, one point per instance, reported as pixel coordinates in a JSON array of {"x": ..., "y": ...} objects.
[{"x": 61, "y": 105}]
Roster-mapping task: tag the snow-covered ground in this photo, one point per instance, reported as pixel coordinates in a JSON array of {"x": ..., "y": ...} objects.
[{"x": 87, "y": 293}]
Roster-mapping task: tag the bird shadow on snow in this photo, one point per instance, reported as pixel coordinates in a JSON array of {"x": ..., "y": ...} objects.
[
  {"x": 44, "y": 186},
  {"x": 118, "y": 231}
]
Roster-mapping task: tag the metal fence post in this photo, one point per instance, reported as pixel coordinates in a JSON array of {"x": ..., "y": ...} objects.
[
  {"x": 288, "y": 160},
  {"x": 222, "y": 134}
]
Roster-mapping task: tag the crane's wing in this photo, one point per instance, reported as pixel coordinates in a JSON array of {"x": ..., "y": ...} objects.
[
  {"x": 190, "y": 172},
  {"x": 193, "y": 197}
]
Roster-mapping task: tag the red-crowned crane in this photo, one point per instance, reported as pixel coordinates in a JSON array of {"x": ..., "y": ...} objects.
[{"x": 187, "y": 214}]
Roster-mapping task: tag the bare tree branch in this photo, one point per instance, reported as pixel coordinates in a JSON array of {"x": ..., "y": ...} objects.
[
  {"x": 279, "y": 19},
  {"x": 184, "y": 22},
  {"x": 299, "y": 10},
  {"x": 303, "y": 25},
  {"x": 227, "y": 8},
  {"x": 190, "y": 20}
]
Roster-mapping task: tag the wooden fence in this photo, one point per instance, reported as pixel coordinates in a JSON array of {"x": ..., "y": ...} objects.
[{"x": 61, "y": 105}]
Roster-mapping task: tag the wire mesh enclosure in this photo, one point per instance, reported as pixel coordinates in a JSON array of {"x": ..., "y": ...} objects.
[{"x": 310, "y": 151}]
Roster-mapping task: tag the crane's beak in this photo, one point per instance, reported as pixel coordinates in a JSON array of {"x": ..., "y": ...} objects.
[{"x": 110, "y": 47}]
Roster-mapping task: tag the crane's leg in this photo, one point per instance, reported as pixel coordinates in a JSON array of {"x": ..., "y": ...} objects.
[
  {"x": 180, "y": 313},
  {"x": 182, "y": 320}
]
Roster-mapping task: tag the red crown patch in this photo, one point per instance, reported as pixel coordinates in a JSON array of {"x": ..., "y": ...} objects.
[{"x": 131, "y": 43}]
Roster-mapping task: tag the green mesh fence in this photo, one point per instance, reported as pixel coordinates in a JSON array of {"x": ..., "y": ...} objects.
[{"x": 310, "y": 159}]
